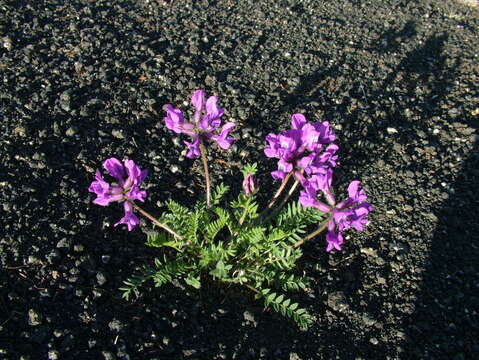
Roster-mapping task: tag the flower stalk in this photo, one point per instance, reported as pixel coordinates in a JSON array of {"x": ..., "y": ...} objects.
[
  {"x": 323, "y": 226},
  {"x": 155, "y": 221},
  {"x": 207, "y": 173},
  {"x": 285, "y": 200}
]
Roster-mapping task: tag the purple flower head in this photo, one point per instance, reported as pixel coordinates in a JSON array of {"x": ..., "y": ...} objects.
[
  {"x": 128, "y": 178},
  {"x": 353, "y": 211},
  {"x": 300, "y": 147},
  {"x": 206, "y": 124},
  {"x": 250, "y": 185},
  {"x": 350, "y": 213}
]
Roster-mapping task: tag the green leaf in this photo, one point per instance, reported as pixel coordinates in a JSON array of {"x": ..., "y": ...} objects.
[
  {"x": 283, "y": 306},
  {"x": 161, "y": 239},
  {"x": 218, "y": 193},
  {"x": 193, "y": 281},
  {"x": 249, "y": 169},
  {"x": 221, "y": 270}
]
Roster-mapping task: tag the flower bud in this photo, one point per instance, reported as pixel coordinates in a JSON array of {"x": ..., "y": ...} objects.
[{"x": 250, "y": 185}]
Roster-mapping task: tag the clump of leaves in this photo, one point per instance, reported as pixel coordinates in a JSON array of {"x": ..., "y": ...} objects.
[{"x": 227, "y": 246}]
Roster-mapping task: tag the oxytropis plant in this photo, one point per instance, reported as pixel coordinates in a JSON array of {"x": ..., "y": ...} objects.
[{"x": 236, "y": 243}]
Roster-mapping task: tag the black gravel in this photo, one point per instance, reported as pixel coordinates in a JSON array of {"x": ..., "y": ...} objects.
[{"x": 85, "y": 80}]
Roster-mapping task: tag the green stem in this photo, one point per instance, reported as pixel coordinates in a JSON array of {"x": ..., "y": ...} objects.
[
  {"x": 252, "y": 288},
  {"x": 155, "y": 221},
  {"x": 207, "y": 173},
  {"x": 243, "y": 216},
  {"x": 323, "y": 226}
]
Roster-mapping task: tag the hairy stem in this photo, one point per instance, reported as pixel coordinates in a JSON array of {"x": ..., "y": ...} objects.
[
  {"x": 274, "y": 199},
  {"x": 323, "y": 226},
  {"x": 279, "y": 191},
  {"x": 207, "y": 173},
  {"x": 155, "y": 221},
  {"x": 285, "y": 200}
]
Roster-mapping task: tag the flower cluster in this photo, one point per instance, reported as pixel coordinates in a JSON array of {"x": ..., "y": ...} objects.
[
  {"x": 206, "y": 124},
  {"x": 306, "y": 151},
  {"x": 300, "y": 150},
  {"x": 348, "y": 213},
  {"x": 127, "y": 188}
]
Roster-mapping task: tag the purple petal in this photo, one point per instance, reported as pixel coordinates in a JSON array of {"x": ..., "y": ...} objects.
[
  {"x": 198, "y": 100},
  {"x": 103, "y": 200},
  {"x": 223, "y": 141},
  {"x": 358, "y": 219},
  {"x": 297, "y": 121},
  {"x": 132, "y": 170},
  {"x": 212, "y": 108},
  {"x": 290, "y": 140},
  {"x": 272, "y": 150},
  {"x": 193, "y": 148},
  {"x": 328, "y": 157},
  {"x": 335, "y": 240},
  {"x": 309, "y": 138},
  {"x": 115, "y": 168},
  {"x": 356, "y": 194},
  {"x": 204, "y": 124},
  {"x": 326, "y": 134},
  {"x": 174, "y": 119},
  {"x": 343, "y": 219},
  {"x": 278, "y": 174},
  {"x": 99, "y": 186},
  {"x": 305, "y": 161},
  {"x": 308, "y": 199},
  {"x": 136, "y": 194},
  {"x": 285, "y": 166},
  {"x": 321, "y": 179},
  {"x": 130, "y": 219}
]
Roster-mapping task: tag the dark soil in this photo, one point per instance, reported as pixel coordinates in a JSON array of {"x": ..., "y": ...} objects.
[{"x": 85, "y": 80}]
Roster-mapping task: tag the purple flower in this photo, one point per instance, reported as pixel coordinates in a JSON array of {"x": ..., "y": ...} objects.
[
  {"x": 128, "y": 178},
  {"x": 350, "y": 213},
  {"x": 334, "y": 239},
  {"x": 175, "y": 121},
  {"x": 300, "y": 147},
  {"x": 222, "y": 139},
  {"x": 206, "y": 124},
  {"x": 130, "y": 219},
  {"x": 193, "y": 148},
  {"x": 250, "y": 185}
]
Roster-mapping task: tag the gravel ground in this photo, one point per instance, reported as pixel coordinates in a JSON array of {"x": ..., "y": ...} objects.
[{"x": 86, "y": 80}]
